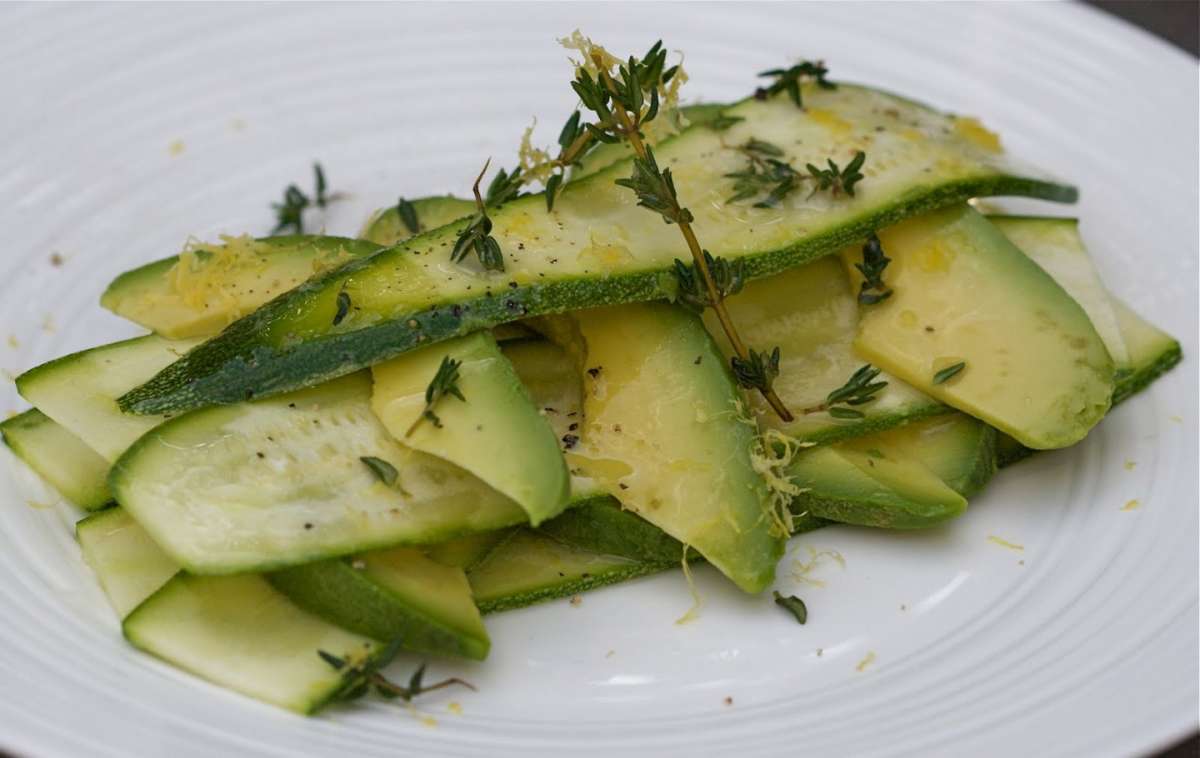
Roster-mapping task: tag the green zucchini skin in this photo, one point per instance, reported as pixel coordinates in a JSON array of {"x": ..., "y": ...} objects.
[
  {"x": 291, "y": 341},
  {"x": 59, "y": 457},
  {"x": 343, "y": 595},
  {"x": 600, "y": 525}
]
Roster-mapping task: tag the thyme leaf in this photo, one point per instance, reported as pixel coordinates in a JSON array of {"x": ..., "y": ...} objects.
[
  {"x": 949, "y": 372},
  {"x": 723, "y": 122},
  {"x": 408, "y": 214},
  {"x": 792, "y": 605},
  {"x": 383, "y": 470},
  {"x": 343, "y": 307},
  {"x": 444, "y": 382},
  {"x": 859, "y": 389},
  {"x": 729, "y": 278},
  {"x": 476, "y": 236},
  {"x": 503, "y": 188},
  {"x": 655, "y": 189},
  {"x": 757, "y": 371},
  {"x": 289, "y": 214},
  {"x": 790, "y": 79},
  {"x": 873, "y": 290},
  {"x": 838, "y": 180}
]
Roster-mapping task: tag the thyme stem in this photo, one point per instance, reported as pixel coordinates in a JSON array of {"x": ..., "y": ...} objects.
[{"x": 630, "y": 129}]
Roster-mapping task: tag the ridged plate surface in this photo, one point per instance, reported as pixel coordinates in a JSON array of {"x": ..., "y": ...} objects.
[{"x": 126, "y": 128}]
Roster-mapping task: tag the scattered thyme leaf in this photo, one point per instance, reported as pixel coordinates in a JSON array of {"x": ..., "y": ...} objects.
[
  {"x": 319, "y": 185},
  {"x": 444, "y": 382},
  {"x": 503, "y": 188},
  {"x": 949, "y": 372},
  {"x": 343, "y": 307},
  {"x": 383, "y": 470},
  {"x": 723, "y": 122},
  {"x": 873, "y": 290},
  {"x": 408, "y": 214},
  {"x": 838, "y": 180},
  {"x": 289, "y": 214},
  {"x": 792, "y": 605}
]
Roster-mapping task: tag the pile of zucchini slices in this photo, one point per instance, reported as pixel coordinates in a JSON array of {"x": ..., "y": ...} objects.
[{"x": 357, "y": 445}]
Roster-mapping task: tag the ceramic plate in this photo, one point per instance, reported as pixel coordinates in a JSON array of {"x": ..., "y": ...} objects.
[{"x": 126, "y": 128}]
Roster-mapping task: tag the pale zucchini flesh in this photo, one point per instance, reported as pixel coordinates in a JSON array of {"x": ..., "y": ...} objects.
[
  {"x": 240, "y": 633},
  {"x": 281, "y": 482},
  {"x": 1034, "y": 367},
  {"x": 597, "y": 248},
  {"x": 385, "y": 227},
  {"x": 208, "y": 286},
  {"x": 79, "y": 391},
  {"x": 495, "y": 433},
  {"x": 1056, "y": 246},
  {"x": 60, "y": 457},
  {"x": 672, "y": 445},
  {"x": 129, "y": 565}
]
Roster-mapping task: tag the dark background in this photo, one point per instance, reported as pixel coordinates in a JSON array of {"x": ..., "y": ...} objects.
[{"x": 1178, "y": 22}]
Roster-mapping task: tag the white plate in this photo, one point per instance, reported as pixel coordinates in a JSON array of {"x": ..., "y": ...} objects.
[{"x": 126, "y": 128}]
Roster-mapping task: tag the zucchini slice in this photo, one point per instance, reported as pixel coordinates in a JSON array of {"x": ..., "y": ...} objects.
[
  {"x": 1055, "y": 245},
  {"x": 61, "y": 458},
  {"x": 392, "y": 594},
  {"x": 208, "y": 286},
  {"x": 597, "y": 248},
  {"x": 240, "y": 633},
  {"x": 385, "y": 227},
  {"x": 959, "y": 450},
  {"x": 810, "y": 313},
  {"x": 530, "y": 567},
  {"x": 128, "y": 564},
  {"x": 1033, "y": 365},
  {"x": 79, "y": 391},
  {"x": 664, "y": 434},
  {"x": 281, "y": 482},
  {"x": 1152, "y": 352},
  {"x": 869, "y": 486},
  {"x": 496, "y": 433}
]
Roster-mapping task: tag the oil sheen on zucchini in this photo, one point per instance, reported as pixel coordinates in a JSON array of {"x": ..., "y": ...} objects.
[
  {"x": 598, "y": 248},
  {"x": 663, "y": 433},
  {"x": 281, "y": 482},
  {"x": 1029, "y": 362}
]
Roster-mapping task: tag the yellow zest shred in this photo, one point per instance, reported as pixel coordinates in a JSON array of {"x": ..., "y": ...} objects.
[
  {"x": 1130, "y": 465},
  {"x": 1005, "y": 543},
  {"x": 802, "y": 569},
  {"x": 1132, "y": 505},
  {"x": 455, "y": 708},
  {"x": 694, "y": 612},
  {"x": 867, "y": 660},
  {"x": 203, "y": 272},
  {"x": 770, "y": 459},
  {"x": 536, "y": 164}
]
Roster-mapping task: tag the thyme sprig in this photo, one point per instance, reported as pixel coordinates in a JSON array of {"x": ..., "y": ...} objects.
[
  {"x": 649, "y": 76},
  {"x": 790, "y": 79},
  {"x": 859, "y": 389},
  {"x": 361, "y": 677},
  {"x": 838, "y": 180},
  {"x": 872, "y": 289},
  {"x": 476, "y": 236},
  {"x": 289, "y": 214},
  {"x": 757, "y": 371},
  {"x": 729, "y": 277},
  {"x": 764, "y": 173},
  {"x": 622, "y": 108},
  {"x": 504, "y": 186},
  {"x": 444, "y": 382}
]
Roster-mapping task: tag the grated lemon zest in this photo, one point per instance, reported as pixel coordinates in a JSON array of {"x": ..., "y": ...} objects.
[
  {"x": 770, "y": 458},
  {"x": 1005, "y": 543},
  {"x": 697, "y": 602},
  {"x": 802, "y": 569},
  {"x": 867, "y": 660},
  {"x": 1131, "y": 505}
]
